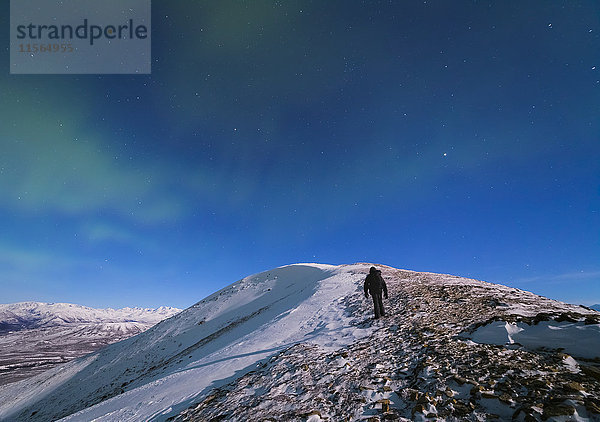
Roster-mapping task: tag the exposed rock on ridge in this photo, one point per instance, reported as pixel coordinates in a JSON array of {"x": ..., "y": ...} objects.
[{"x": 419, "y": 364}]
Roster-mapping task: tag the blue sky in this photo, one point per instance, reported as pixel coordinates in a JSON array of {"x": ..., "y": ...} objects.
[{"x": 455, "y": 137}]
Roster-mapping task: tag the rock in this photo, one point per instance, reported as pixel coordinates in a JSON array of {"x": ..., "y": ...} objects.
[
  {"x": 538, "y": 385},
  {"x": 413, "y": 395},
  {"x": 573, "y": 386},
  {"x": 461, "y": 409},
  {"x": 558, "y": 410},
  {"x": 385, "y": 405},
  {"x": 210, "y": 398},
  {"x": 460, "y": 380},
  {"x": 592, "y": 407},
  {"x": 424, "y": 399},
  {"x": 502, "y": 386},
  {"x": 476, "y": 389},
  {"x": 542, "y": 316},
  {"x": 591, "y": 371},
  {"x": 505, "y": 398},
  {"x": 566, "y": 317},
  {"x": 419, "y": 408}
]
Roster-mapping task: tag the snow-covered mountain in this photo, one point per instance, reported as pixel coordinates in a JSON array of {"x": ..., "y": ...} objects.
[
  {"x": 298, "y": 343},
  {"x": 28, "y": 315},
  {"x": 37, "y": 336}
]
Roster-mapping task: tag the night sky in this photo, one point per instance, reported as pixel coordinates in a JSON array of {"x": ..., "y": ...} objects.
[{"x": 457, "y": 137}]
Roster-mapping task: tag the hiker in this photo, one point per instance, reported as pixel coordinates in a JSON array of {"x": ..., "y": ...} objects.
[{"x": 375, "y": 284}]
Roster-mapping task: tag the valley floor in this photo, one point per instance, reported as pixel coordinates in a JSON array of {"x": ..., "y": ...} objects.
[{"x": 26, "y": 353}]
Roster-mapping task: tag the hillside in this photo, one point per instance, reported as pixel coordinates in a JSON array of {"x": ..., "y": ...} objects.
[
  {"x": 35, "y": 337},
  {"x": 299, "y": 343}
]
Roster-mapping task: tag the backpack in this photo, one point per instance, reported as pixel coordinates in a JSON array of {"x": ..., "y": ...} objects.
[{"x": 375, "y": 283}]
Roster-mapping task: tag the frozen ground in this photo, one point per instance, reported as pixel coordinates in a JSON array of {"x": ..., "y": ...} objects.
[{"x": 297, "y": 343}]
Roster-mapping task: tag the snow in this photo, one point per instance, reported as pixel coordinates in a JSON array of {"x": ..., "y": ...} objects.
[
  {"x": 219, "y": 338},
  {"x": 293, "y": 321},
  {"x": 571, "y": 364},
  {"x": 575, "y": 338}
]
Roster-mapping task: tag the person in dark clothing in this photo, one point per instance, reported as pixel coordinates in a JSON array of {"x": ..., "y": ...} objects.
[{"x": 375, "y": 285}]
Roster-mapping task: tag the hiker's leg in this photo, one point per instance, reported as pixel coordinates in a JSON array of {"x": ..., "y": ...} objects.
[
  {"x": 376, "y": 301},
  {"x": 381, "y": 310}
]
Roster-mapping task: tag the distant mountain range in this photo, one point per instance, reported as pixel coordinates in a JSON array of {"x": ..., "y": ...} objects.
[
  {"x": 299, "y": 343},
  {"x": 596, "y": 307},
  {"x": 35, "y": 336}
]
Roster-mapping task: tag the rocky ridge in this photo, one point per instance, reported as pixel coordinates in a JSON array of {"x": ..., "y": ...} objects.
[{"x": 419, "y": 364}]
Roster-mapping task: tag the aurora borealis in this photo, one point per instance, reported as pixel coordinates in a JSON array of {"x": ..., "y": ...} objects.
[{"x": 456, "y": 137}]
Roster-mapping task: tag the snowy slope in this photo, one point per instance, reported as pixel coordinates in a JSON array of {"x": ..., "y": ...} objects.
[
  {"x": 206, "y": 344},
  {"x": 36, "y": 336},
  {"x": 264, "y": 322}
]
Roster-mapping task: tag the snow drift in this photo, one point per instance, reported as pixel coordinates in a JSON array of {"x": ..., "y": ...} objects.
[{"x": 575, "y": 338}]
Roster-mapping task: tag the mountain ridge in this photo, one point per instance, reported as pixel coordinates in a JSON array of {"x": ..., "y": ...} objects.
[
  {"x": 194, "y": 365},
  {"x": 42, "y": 314}
]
